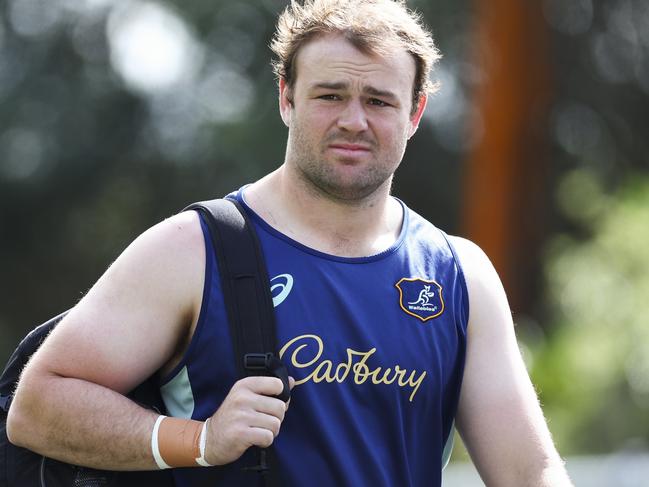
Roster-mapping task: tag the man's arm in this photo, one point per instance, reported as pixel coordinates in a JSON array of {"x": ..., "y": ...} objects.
[
  {"x": 69, "y": 402},
  {"x": 137, "y": 318},
  {"x": 499, "y": 416}
]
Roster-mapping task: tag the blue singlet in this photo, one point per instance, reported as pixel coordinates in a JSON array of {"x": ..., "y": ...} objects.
[{"x": 376, "y": 345}]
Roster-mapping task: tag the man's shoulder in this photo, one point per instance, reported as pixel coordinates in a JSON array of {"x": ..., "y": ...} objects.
[
  {"x": 471, "y": 256},
  {"x": 174, "y": 242},
  {"x": 466, "y": 248},
  {"x": 183, "y": 227},
  {"x": 483, "y": 282}
]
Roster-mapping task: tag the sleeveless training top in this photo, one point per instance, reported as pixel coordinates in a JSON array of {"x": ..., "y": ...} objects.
[{"x": 376, "y": 346}]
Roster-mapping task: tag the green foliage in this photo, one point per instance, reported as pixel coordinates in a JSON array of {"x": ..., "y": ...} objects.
[{"x": 593, "y": 371}]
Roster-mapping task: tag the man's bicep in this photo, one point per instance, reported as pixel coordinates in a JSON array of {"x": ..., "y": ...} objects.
[
  {"x": 499, "y": 417},
  {"x": 132, "y": 320}
]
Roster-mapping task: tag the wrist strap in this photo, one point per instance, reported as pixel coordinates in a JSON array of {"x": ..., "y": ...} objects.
[
  {"x": 201, "y": 445},
  {"x": 177, "y": 442},
  {"x": 155, "y": 449}
]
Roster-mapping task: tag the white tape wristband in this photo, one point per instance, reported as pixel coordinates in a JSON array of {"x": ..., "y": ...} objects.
[
  {"x": 162, "y": 465},
  {"x": 201, "y": 446}
]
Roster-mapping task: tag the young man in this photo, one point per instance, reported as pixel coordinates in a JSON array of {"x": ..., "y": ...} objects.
[{"x": 391, "y": 330}]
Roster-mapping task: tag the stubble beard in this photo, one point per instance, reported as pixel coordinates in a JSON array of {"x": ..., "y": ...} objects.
[{"x": 321, "y": 175}]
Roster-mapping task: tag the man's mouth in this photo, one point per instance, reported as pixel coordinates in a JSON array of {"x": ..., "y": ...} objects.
[{"x": 350, "y": 150}]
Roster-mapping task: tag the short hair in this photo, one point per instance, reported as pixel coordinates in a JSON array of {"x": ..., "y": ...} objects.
[{"x": 372, "y": 26}]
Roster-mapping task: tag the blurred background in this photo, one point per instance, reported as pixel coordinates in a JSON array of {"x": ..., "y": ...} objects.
[{"x": 115, "y": 114}]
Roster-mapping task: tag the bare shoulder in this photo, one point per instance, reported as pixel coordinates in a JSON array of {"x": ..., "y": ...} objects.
[
  {"x": 476, "y": 265},
  {"x": 489, "y": 311},
  {"x": 172, "y": 248},
  {"x": 165, "y": 258},
  {"x": 134, "y": 318},
  {"x": 179, "y": 233},
  {"x": 465, "y": 246}
]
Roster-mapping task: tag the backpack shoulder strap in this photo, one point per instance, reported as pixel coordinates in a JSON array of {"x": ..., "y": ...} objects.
[
  {"x": 248, "y": 301},
  {"x": 245, "y": 284}
]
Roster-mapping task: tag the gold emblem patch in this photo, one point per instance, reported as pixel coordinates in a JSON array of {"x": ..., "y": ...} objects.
[{"x": 420, "y": 298}]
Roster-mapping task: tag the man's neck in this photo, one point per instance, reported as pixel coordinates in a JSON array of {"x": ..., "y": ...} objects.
[{"x": 343, "y": 228}]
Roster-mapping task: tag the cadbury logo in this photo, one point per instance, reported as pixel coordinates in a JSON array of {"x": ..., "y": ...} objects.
[{"x": 354, "y": 368}]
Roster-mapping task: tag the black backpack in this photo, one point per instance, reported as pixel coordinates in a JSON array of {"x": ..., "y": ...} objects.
[{"x": 243, "y": 274}]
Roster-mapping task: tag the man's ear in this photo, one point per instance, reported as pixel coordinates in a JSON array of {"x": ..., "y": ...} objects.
[
  {"x": 285, "y": 102},
  {"x": 416, "y": 116}
]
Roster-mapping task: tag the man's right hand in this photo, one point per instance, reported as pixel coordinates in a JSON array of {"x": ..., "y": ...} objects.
[{"x": 249, "y": 416}]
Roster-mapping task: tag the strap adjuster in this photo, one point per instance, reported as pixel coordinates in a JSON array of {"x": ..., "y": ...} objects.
[
  {"x": 258, "y": 361},
  {"x": 269, "y": 365}
]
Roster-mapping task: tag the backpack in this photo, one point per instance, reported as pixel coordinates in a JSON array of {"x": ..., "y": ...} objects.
[{"x": 252, "y": 323}]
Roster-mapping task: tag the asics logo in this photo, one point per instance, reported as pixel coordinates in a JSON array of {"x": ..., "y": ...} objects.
[{"x": 280, "y": 288}]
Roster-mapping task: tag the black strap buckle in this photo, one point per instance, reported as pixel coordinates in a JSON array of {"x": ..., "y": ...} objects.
[
  {"x": 271, "y": 366},
  {"x": 257, "y": 361}
]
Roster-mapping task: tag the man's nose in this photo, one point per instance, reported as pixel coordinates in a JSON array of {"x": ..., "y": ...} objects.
[{"x": 353, "y": 117}]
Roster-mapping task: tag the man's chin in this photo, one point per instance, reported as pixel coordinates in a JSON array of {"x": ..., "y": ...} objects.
[{"x": 348, "y": 192}]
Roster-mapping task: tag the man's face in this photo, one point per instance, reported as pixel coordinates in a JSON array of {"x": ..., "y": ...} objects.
[{"x": 349, "y": 116}]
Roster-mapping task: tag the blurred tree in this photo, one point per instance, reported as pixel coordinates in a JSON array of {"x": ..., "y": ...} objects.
[
  {"x": 113, "y": 116},
  {"x": 601, "y": 54},
  {"x": 591, "y": 366},
  {"x": 593, "y": 371}
]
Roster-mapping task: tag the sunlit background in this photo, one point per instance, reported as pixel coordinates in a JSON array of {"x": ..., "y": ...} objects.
[{"x": 116, "y": 114}]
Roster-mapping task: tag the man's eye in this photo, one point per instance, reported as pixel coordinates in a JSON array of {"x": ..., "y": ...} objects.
[
  {"x": 329, "y": 97},
  {"x": 378, "y": 103}
]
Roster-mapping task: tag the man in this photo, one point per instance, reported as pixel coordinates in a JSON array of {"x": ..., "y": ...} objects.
[{"x": 391, "y": 329}]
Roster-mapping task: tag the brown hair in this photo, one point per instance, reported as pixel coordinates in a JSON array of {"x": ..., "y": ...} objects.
[{"x": 372, "y": 26}]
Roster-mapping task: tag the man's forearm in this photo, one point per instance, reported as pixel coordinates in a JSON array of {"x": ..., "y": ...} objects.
[{"x": 82, "y": 423}]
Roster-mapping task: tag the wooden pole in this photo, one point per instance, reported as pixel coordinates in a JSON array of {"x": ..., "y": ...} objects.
[{"x": 506, "y": 170}]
